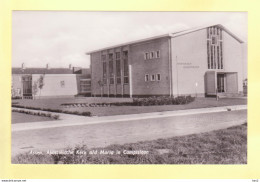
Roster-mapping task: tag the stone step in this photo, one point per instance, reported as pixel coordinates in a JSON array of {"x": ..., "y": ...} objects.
[{"x": 230, "y": 94}]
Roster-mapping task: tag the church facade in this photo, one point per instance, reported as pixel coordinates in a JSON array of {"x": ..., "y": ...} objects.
[{"x": 202, "y": 61}]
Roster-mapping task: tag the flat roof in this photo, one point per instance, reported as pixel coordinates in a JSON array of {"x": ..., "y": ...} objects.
[{"x": 174, "y": 34}]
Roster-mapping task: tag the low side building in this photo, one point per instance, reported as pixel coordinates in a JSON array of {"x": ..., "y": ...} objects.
[
  {"x": 56, "y": 82},
  {"x": 201, "y": 61}
]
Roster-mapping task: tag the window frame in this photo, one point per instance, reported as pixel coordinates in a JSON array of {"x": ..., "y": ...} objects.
[
  {"x": 158, "y": 74},
  {"x": 125, "y": 67},
  {"x": 153, "y": 79},
  {"x": 152, "y": 55},
  {"x": 146, "y": 77},
  {"x": 158, "y": 54},
  {"x": 146, "y": 56}
]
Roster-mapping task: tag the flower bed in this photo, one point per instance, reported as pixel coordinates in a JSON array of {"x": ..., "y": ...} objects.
[{"x": 149, "y": 101}]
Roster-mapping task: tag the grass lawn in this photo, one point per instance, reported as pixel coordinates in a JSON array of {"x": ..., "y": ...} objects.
[
  {"x": 25, "y": 118},
  {"x": 227, "y": 146},
  {"x": 118, "y": 110}
]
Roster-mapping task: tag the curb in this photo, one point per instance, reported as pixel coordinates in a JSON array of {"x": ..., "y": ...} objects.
[{"x": 121, "y": 118}]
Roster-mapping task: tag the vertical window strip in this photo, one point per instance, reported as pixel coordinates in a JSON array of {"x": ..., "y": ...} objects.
[
  {"x": 211, "y": 56},
  {"x": 111, "y": 68},
  {"x": 104, "y": 72},
  {"x": 103, "y": 58},
  {"x": 208, "y": 51},
  {"x": 118, "y": 71},
  {"x": 214, "y": 54},
  {"x": 221, "y": 55},
  {"x": 111, "y": 72},
  {"x": 126, "y": 70},
  {"x": 218, "y": 57}
]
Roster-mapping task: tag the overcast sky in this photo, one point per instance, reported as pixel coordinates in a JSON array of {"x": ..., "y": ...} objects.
[{"x": 60, "y": 38}]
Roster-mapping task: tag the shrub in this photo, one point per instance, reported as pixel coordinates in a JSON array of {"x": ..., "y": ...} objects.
[
  {"x": 86, "y": 114},
  {"x": 16, "y": 97},
  {"x": 163, "y": 100},
  {"x": 36, "y": 113},
  {"x": 56, "y": 117}
]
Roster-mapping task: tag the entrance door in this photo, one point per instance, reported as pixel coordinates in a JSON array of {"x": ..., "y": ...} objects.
[
  {"x": 221, "y": 83},
  {"x": 27, "y": 85}
]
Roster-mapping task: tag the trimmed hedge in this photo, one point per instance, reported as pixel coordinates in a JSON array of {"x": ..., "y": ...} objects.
[
  {"x": 153, "y": 101},
  {"x": 148, "y": 101},
  {"x": 54, "y": 110},
  {"x": 49, "y": 115}
]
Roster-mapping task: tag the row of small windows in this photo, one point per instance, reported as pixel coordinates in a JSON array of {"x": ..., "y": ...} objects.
[
  {"x": 114, "y": 76},
  {"x": 214, "y": 48},
  {"x": 152, "y": 55},
  {"x": 153, "y": 77}
]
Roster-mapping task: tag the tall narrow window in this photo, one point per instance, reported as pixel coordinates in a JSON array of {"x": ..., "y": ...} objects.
[
  {"x": 152, "y": 77},
  {"x": 118, "y": 68},
  {"x": 213, "y": 41},
  {"x": 111, "y": 69},
  {"x": 104, "y": 64},
  {"x": 208, "y": 54},
  {"x": 126, "y": 70},
  {"x": 218, "y": 57},
  {"x": 105, "y": 72},
  {"x": 157, "y": 54},
  {"x": 103, "y": 57},
  {"x": 152, "y": 55},
  {"x": 214, "y": 55},
  {"x": 211, "y": 56},
  {"x": 214, "y": 48},
  {"x": 158, "y": 77},
  {"x": 221, "y": 55},
  {"x": 146, "y": 55},
  {"x": 146, "y": 78}
]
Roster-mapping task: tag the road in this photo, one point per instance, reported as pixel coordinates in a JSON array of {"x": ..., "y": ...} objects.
[{"x": 106, "y": 133}]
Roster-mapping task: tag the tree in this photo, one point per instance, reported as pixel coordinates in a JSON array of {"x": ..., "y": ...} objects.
[
  {"x": 101, "y": 84},
  {"x": 34, "y": 88},
  {"x": 41, "y": 83}
]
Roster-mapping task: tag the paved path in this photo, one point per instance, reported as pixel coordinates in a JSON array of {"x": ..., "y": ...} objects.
[
  {"x": 131, "y": 130},
  {"x": 74, "y": 120}
]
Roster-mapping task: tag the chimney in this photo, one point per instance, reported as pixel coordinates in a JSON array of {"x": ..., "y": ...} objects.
[
  {"x": 70, "y": 67},
  {"x": 47, "y": 66},
  {"x": 23, "y": 66}
]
